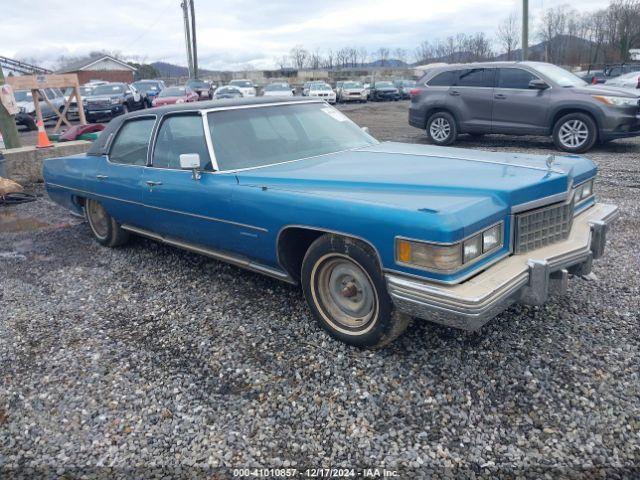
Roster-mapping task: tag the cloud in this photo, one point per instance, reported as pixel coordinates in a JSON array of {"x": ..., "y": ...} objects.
[{"x": 235, "y": 33}]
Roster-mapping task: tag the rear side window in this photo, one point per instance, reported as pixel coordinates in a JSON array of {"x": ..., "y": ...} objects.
[
  {"x": 180, "y": 134},
  {"x": 444, "y": 79},
  {"x": 475, "y": 77},
  {"x": 514, "y": 78},
  {"x": 132, "y": 142}
]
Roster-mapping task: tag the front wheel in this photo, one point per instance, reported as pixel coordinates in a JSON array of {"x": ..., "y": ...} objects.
[
  {"x": 345, "y": 289},
  {"x": 575, "y": 133},
  {"x": 441, "y": 129},
  {"x": 104, "y": 228}
]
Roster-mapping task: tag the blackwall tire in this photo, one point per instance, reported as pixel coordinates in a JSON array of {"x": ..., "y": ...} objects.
[
  {"x": 442, "y": 129},
  {"x": 575, "y": 133},
  {"x": 345, "y": 289},
  {"x": 102, "y": 225}
]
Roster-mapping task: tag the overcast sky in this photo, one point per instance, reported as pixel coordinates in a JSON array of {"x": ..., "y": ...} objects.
[{"x": 233, "y": 34}]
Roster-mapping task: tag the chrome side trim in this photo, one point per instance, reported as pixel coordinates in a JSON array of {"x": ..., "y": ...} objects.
[
  {"x": 258, "y": 105},
  {"x": 207, "y": 136},
  {"x": 204, "y": 217},
  {"x": 542, "y": 202},
  {"x": 456, "y": 157},
  {"x": 237, "y": 260}
]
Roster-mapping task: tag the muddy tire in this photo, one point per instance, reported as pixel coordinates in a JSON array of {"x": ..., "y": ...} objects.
[{"x": 346, "y": 291}]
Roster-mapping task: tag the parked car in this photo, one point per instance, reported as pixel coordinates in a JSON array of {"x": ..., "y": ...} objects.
[
  {"x": 27, "y": 113},
  {"x": 522, "y": 98},
  {"x": 307, "y": 86},
  {"x": 227, "y": 91},
  {"x": 247, "y": 87},
  {"x": 113, "y": 99},
  {"x": 615, "y": 70},
  {"x": 151, "y": 88},
  {"x": 85, "y": 92},
  {"x": 351, "y": 92},
  {"x": 278, "y": 90},
  {"x": 202, "y": 88},
  {"x": 593, "y": 77},
  {"x": 381, "y": 91},
  {"x": 448, "y": 235},
  {"x": 404, "y": 87},
  {"x": 628, "y": 80},
  {"x": 171, "y": 95},
  {"x": 323, "y": 91}
]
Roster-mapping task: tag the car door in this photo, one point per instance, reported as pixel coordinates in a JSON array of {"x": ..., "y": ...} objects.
[
  {"x": 472, "y": 96},
  {"x": 517, "y": 108},
  {"x": 117, "y": 179},
  {"x": 181, "y": 207}
]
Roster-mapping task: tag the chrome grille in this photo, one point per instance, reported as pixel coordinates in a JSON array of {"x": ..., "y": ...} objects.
[{"x": 543, "y": 226}]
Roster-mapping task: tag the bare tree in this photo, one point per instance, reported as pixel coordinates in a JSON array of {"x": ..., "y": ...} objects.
[
  {"x": 363, "y": 54},
  {"x": 509, "y": 35},
  {"x": 299, "y": 56},
  {"x": 400, "y": 54},
  {"x": 383, "y": 55}
]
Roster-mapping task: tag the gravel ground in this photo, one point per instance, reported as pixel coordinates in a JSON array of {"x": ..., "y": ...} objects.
[{"x": 149, "y": 360}]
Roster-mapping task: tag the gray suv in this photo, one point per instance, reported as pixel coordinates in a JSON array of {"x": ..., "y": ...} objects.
[{"x": 521, "y": 98}]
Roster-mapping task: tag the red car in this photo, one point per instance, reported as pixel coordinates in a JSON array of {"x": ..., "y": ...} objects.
[{"x": 172, "y": 95}]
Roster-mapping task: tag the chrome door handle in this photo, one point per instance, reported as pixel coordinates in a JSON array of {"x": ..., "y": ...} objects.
[
  {"x": 455, "y": 93},
  {"x": 101, "y": 177},
  {"x": 151, "y": 183},
  {"x": 499, "y": 96}
]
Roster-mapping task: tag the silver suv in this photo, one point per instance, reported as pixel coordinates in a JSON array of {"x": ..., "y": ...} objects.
[{"x": 521, "y": 98}]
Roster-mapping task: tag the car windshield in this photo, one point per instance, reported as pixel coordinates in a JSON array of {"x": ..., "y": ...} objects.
[
  {"x": 560, "y": 76},
  {"x": 241, "y": 83},
  {"x": 320, "y": 86},
  {"x": 384, "y": 84},
  {"x": 147, "y": 86},
  {"x": 197, "y": 84},
  {"x": 277, "y": 87},
  {"x": 351, "y": 85},
  {"x": 23, "y": 96},
  {"x": 109, "y": 90},
  {"x": 173, "y": 92},
  {"x": 227, "y": 90},
  {"x": 254, "y": 137},
  {"x": 408, "y": 83}
]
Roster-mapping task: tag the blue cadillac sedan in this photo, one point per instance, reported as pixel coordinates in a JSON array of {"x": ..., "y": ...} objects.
[{"x": 375, "y": 232}]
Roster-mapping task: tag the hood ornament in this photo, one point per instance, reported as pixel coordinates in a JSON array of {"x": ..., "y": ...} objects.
[{"x": 550, "y": 160}]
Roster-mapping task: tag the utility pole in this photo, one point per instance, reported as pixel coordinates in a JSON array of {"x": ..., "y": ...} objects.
[
  {"x": 525, "y": 30},
  {"x": 7, "y": 124},
  {"x": 187, "y": 35},
  {"x": 194, "y": 60}
]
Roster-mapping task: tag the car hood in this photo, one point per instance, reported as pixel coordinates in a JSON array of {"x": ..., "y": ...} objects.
[
  {"x": 386, "y": 89},
  {"x": 601, "y": 89},
  {"x": 469, "y": 184},
  {"x": 169, "y": 99}
]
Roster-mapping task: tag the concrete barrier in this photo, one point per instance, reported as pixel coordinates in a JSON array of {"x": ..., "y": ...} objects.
[{"x": 24, "y": 164}]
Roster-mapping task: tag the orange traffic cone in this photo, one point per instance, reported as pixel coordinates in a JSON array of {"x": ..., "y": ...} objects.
[{"x": 43, "y": 140}]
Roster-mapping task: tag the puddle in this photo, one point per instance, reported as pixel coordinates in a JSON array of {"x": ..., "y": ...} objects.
[{"x": 10, "y": 222}]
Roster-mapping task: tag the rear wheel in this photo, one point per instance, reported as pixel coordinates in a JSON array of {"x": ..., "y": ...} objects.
[
  {"x": 575, "y": 133},
  {"x": 441, "y": 128},
  {"x": 104, "y": 228},
  {"x": 346, "y": 292}
]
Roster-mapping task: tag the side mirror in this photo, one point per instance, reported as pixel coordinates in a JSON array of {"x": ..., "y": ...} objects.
[
  {"x": 538, "y": 84},
  {"x": 191, "y": 161},
  {"x": 365, "y": 129}
]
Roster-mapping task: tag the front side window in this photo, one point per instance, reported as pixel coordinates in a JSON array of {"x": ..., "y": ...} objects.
[
  {"x": 514, "y": 78},
  {"x": 132, "y": 142},
  {"x": 252, "y": 137},
  {"x": 180, "y": 134}
]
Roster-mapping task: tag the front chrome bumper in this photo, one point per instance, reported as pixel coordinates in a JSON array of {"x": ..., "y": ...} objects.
[{"x": 527, "y": 278}]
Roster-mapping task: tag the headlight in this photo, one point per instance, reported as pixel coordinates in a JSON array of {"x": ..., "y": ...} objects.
[
  {"x": 180, "y": 100},
  {"x": 448, "y": 258},
  {"x": 115, "y": 101},
  {"x": 617, "y": 101},
  {"x": 583, "y": 191}
]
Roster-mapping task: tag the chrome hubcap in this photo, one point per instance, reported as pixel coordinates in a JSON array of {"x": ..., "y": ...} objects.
[
  {"x": 440, "y": 129},
  {"x": 573, "y": 133},
  {"x": 346, "y": 293},
  {"x": 98, "y": 218}
]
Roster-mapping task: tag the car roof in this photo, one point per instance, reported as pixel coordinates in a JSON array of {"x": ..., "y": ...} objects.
[{"x": 100, "y": 146}]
